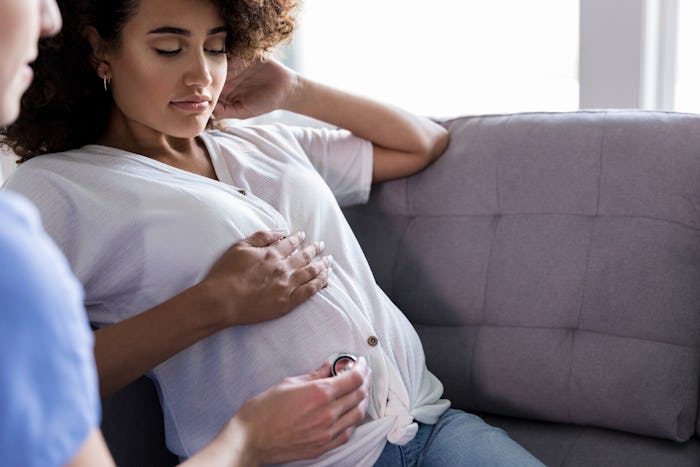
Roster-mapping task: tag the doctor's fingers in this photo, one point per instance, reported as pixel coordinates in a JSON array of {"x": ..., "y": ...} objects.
[
  {"x": 348, "y": 410},
  {"x": 348, "y": 421}
]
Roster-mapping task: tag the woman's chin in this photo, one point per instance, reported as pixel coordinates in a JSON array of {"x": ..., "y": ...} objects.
[{"x": 190, "y": 130}]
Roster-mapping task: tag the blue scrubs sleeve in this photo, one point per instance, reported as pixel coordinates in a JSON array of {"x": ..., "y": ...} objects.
[{"x": 49, "y": 400}]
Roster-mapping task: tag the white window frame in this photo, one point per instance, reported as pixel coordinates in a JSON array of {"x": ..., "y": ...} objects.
[{"x": 628, "y": 54}]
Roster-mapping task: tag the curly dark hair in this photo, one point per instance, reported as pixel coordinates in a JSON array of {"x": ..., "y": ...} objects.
[{"x": 66, "y": 107}]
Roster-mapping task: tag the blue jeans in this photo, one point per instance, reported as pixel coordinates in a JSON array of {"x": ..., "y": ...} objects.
[{"x": 457, "y": 439}]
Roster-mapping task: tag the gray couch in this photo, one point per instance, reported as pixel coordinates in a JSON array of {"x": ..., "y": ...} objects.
[{"x": 551, "y": 265}]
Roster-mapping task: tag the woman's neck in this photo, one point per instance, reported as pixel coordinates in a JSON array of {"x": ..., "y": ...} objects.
[{"x": 188, "y": 154}]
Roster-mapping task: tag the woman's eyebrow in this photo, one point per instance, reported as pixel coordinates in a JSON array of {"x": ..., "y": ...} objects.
[{"x": 184, "y": 32}]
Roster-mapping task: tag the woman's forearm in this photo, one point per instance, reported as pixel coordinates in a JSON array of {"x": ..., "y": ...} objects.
[
  {"x": 126, "y": 350},
  {"x": 404, "y": 143}
]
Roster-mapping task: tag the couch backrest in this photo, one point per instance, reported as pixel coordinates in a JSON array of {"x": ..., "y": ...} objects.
[{"x": 551, "y": 264}]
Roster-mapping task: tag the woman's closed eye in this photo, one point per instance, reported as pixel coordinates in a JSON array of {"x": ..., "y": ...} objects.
[
  {"x": 173, "y": 52},
  {"x": 216, "y": 45},
  {"x": 167, "y": 52},
  {"x": 169, "y": 41},
  {"x": 168, "y": 46},
  {"x": 216, "y": 51}
]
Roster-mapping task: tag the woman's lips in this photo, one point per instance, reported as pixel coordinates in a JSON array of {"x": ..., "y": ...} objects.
[{"x": 194, "y": 106}]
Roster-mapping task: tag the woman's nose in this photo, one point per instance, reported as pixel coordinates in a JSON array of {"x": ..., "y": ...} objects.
[{"x": 199, "y": 73}]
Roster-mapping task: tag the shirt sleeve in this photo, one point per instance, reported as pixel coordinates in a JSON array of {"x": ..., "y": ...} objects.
[
  {"x": 343, "y": 160},
  {"x": 49, "y": 400}
]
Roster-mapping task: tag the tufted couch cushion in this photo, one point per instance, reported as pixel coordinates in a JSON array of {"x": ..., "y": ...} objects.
[{"x": 551, "y": 264}]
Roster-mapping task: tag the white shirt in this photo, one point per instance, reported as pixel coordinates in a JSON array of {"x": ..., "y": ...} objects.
[{"x": 138, "y": 231}]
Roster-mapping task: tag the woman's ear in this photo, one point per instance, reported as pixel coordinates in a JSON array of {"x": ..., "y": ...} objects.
[{"x": 99, "y": 58}]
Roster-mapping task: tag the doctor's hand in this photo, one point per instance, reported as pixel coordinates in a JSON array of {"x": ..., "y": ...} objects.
[
  {"x": 299, "y": 418},
  {"x": 255, "y": 88},
  {"x": 265, "y": 276},
  {"x": 305, "y": 416}
]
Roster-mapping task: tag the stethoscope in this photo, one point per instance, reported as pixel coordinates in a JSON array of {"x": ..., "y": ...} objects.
[{"x": 341, "y": 363}]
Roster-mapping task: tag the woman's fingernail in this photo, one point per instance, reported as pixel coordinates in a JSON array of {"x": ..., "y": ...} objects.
[
  {"x": 327, "y": 272},
  {"x": 320, "y": 246},
  {"x": 302, "y": 235},
  {"x": 329, "y": 260}
]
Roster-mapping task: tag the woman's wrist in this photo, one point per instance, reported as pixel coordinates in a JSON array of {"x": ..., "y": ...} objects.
[
  {"x": 213, "y": 310},
  {"x": 296, "y": 98}
]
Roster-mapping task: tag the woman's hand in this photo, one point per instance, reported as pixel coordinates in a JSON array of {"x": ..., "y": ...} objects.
[
  {"x": 259, "y": 278},
  {"x": 255, "y": 88},
  {"x": 265, "y": 276}
]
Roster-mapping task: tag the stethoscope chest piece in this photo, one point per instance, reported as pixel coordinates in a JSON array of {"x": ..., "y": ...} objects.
[{"x": 342, "y": 362}]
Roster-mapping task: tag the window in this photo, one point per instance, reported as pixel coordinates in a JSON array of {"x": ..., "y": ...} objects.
[
  {"x": 688, "y": 64},
  {"x": 444, "y": 58}
]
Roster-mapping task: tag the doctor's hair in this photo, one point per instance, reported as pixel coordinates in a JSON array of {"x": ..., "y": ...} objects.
[{"x": 67, "y": 107}]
